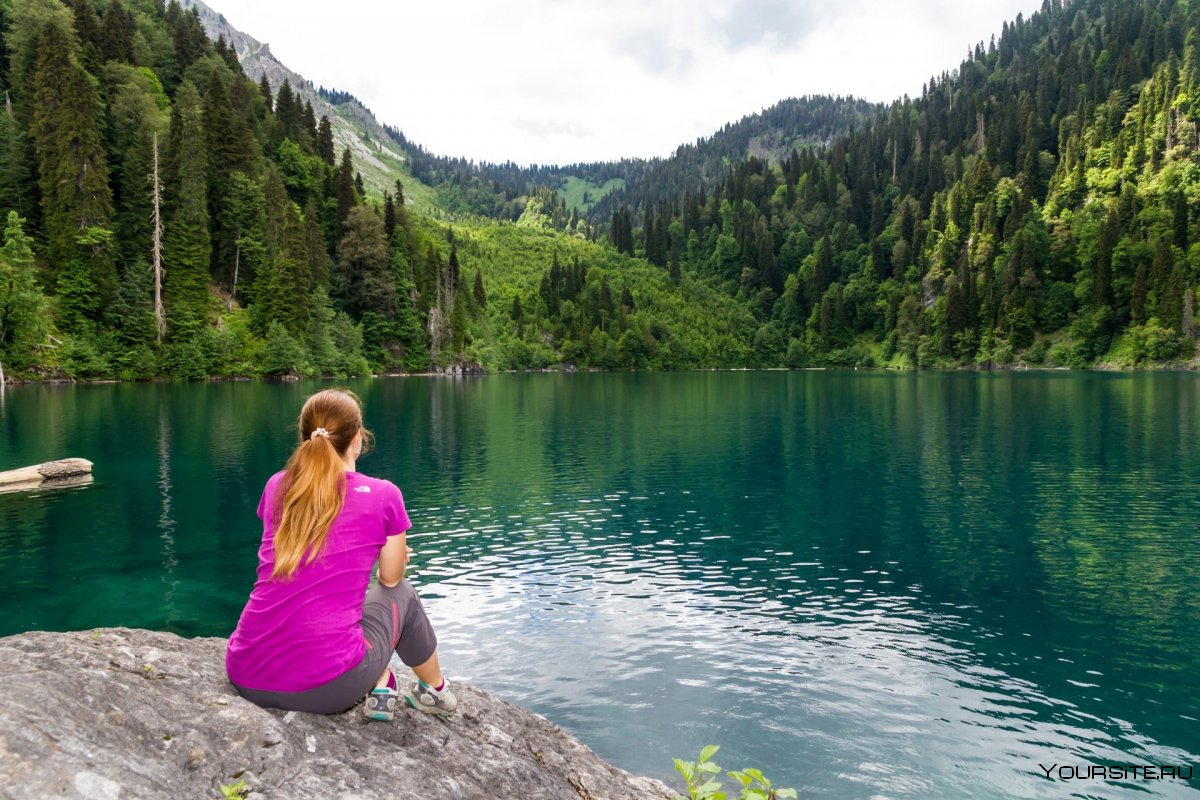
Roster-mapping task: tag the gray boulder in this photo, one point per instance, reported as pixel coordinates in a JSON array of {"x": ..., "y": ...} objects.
[{"x": 118, "y": 713}]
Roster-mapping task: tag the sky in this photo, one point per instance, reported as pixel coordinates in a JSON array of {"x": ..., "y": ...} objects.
[{"x": 565, "y": 81}]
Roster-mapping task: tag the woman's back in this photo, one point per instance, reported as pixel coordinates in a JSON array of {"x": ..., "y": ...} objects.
[{"x": 300, "y": 632}]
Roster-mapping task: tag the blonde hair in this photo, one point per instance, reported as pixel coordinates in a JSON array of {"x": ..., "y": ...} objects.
[{"x": 313, "y": 488}]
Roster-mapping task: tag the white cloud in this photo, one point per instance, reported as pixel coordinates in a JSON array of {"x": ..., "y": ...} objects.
[{"x": 567, "y": 81}]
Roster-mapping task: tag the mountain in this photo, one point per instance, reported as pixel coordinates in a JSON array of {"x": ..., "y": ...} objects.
[
  {"x": 593, "y": 190},
  {"x": 376, "y": 155}
]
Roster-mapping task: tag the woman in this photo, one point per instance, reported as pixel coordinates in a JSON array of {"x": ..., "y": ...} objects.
[{"x": 307, "y": 640}]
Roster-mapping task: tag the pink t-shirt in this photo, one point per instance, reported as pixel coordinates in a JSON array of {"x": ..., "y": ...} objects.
[{"x": 297, "y": 634}]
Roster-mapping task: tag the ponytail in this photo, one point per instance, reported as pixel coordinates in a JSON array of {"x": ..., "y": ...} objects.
[{"x": 314, "y": 484}]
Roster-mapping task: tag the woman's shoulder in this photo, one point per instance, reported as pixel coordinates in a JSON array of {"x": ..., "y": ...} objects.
[
  {"x": 274, "y": 480},
  {"x": 358, "y": 482}
]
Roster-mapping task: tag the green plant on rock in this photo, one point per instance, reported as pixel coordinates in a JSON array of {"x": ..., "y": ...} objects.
[
  {"x": 702, "y": 783},
  {"x": 235, "y": 791}
]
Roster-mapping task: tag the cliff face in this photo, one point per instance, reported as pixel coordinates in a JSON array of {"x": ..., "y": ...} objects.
[{"x": 119, "y": 713}]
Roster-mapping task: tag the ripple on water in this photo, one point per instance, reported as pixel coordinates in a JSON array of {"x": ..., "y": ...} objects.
[{"x": 870, "y": 586}]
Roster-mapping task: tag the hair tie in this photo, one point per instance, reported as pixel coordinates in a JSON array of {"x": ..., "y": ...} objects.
[{"x": 319, "y": 432}]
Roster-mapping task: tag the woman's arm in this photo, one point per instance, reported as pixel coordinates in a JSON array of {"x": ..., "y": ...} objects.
[{"x": 393, "y": 559}]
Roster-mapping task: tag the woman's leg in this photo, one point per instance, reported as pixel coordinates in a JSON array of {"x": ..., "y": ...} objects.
[
  {"x": 429, "y": 671},
  {"x": 397, "y": 611},
  {"x": 395, "y": 615}
]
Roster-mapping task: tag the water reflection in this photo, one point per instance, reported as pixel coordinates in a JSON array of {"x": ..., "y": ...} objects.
[
  {"x": 872, "y": 585},
  {"x": 166, "y": 522}
]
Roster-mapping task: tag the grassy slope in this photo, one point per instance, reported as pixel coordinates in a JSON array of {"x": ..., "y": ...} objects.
[
  {"x": 706, "y": 326},
  {"x": 573, "y": 190}
]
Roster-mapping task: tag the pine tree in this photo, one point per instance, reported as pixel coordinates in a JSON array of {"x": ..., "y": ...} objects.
[
  {"x": 1170, "y": 303},
  {"x": 325, "y": 145},
  {"x": 229, "y": 151},
  {"x": 73, "y": 171},
  {"x": 1137, "y": 302},
  {"x": 1187, "y": 323},
  {"x": 389, "y": 215},
  {"x": 282, "y": 354},
  {"x": 319, "y": 262},
  {"x": 362, "y": 279},
  {"x": 823, "y": 272},
  {"x": 243, "y": 217},
  {"x": 135, "y": 119},
  {"x": 1160, "y": 273},
  {"x": 15, "y": 191},
  {"x": 318, "y": 337},
  {"x": 190, "y": 39},
  {"x": 286, "y": 294},
  {"x": 275, "y": 206},
  {"x": 87, "y": 31},
  {"x": 346, "y": 199},
  {"x": 309, "y": 118},
  {"x": 116, "y": 33},
  {"x": 479, "y": 293},
  {"x": 131, "y": 318},
  {"x": 1102, "y": 272},
  {"x": 407, "y": 326},
  {"x": 1181, "y": 220},
  {"x": 187, "y": 248},
  {"x": 22, "y": 306},
  {"x": 228, "y": 54},
  {"x": 459, "y": 333},
  {"x": 264, "y": 88},
  {"x": 453, "y": 270},
  {"x": 289, "y": 111}
]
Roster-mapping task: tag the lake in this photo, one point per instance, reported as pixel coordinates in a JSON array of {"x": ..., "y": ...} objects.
[{"x": 866, "y": 584}]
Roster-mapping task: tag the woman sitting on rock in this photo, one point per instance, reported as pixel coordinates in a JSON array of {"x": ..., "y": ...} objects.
[{"x": 307, "y": 640}]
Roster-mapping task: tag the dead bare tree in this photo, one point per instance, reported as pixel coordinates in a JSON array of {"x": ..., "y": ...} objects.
[{"x": 160, "y": 319}]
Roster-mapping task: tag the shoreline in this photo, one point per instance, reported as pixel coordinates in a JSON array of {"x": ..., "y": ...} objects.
[{"x": 1106, "y": 368}]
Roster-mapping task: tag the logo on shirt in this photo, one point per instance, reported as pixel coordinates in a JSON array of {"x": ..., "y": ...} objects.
[{"x": 363, "y": 489}]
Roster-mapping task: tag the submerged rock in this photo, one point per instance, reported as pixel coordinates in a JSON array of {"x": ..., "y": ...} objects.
[{"x": 119, "y": 713}]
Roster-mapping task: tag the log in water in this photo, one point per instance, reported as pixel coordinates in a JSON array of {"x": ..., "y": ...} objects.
[{"x": 66, "y": 469}]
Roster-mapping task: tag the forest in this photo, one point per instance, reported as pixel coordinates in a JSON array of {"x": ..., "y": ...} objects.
[{"x": 169, "y": 216}]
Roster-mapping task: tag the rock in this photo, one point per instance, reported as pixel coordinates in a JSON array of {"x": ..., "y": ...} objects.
[{"x": 119, "y": 713}]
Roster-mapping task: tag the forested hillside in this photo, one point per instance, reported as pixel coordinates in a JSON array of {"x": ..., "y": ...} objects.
[
  {"x": 1036, "y": 203},
  {"x": 169, "y": 215},
  {"x": 590, "y": 191}
]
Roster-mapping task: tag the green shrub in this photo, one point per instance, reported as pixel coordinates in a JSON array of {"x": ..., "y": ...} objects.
[
  {"x": 81, "y": 357},
  {"x": 797, "y": 354},
  {"x": 282, "y": 355},
  {"x": 186, "y": 360},
  {"x": 702, "y": 784},
  {"x": 1036, "y": 354},
  {"x": 927, "y": 352},
  {"x": 1153, "y": 342}
]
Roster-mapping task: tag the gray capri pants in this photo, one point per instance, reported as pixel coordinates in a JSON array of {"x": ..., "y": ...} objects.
[{"x": 393, "y": 619}]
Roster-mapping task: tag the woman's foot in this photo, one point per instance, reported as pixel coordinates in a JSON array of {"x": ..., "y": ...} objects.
[
  {"x": 382, "y": 702},
  {"x": 424, "y": 697}
]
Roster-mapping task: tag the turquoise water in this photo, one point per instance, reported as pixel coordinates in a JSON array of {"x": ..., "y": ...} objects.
[{"x": 869, "y": 585}]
